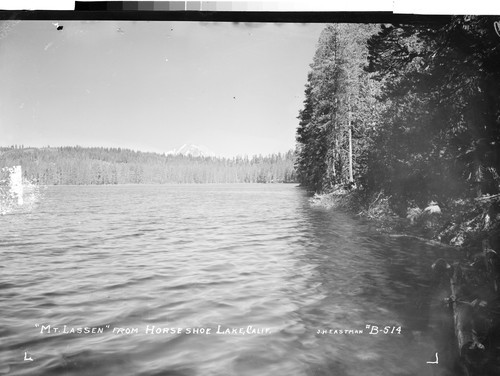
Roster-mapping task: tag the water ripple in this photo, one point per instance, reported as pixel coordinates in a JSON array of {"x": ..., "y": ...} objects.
[{"x": 202, "y": 257}]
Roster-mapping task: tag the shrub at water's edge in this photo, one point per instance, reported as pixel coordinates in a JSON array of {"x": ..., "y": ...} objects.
[
  {"x": 462, "y": 223},
  {"x": 409, "y": 115}
]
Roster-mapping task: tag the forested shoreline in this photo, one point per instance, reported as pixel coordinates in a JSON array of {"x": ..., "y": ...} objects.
[
  {"x": 407, "y": 113},
  {"x": 401, "y": 124},
  {"x": 98, "y": 165},
  {"x": 419, "y": 103}
]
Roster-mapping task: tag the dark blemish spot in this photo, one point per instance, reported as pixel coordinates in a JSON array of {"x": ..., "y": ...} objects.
[{"x": 60, "y": 27}]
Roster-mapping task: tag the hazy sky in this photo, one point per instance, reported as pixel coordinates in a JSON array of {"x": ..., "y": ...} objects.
[{"x": 153, "y": 86}]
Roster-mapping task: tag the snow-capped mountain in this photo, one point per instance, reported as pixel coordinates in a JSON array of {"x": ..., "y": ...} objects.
[{"x": 192, "y": 150}]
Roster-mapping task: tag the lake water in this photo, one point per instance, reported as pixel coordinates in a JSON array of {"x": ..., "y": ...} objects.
[{"x": 272, "y": 280}]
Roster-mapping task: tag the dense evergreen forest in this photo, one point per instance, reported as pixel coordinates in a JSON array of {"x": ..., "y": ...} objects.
[
  {"x": 79, "y": 165},
  {"x": 401, "y": 124},
  {"x": 409, "y": 110}
]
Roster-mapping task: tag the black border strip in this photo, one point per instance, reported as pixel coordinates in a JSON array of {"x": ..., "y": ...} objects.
[{"x": 211, "y": 16}]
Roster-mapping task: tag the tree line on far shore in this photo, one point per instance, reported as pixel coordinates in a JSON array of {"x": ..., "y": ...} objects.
[
  {"x": 412, "y": 110},
  {"x": 98, "y": 165}
]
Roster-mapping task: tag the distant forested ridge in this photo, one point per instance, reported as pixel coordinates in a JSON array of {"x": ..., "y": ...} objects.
[
  {"x": 97, "y": 165},
  {"x": 410, "y": 110}
]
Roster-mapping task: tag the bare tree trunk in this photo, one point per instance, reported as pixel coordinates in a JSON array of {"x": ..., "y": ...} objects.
[
  {"x": 351, "y": 179},
  {"x": 334, "y": 135},
  {"x": 469, "y": 347}
]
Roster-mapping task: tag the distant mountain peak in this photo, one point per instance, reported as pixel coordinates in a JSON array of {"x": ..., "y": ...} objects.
[{"x": 192, "y": 150}]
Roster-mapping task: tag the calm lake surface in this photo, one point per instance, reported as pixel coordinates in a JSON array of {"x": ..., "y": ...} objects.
[{"x": 258, "y": 259}]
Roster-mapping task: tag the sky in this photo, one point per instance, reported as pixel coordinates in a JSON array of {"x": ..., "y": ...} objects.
[{"x": 235, "y": 89}]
